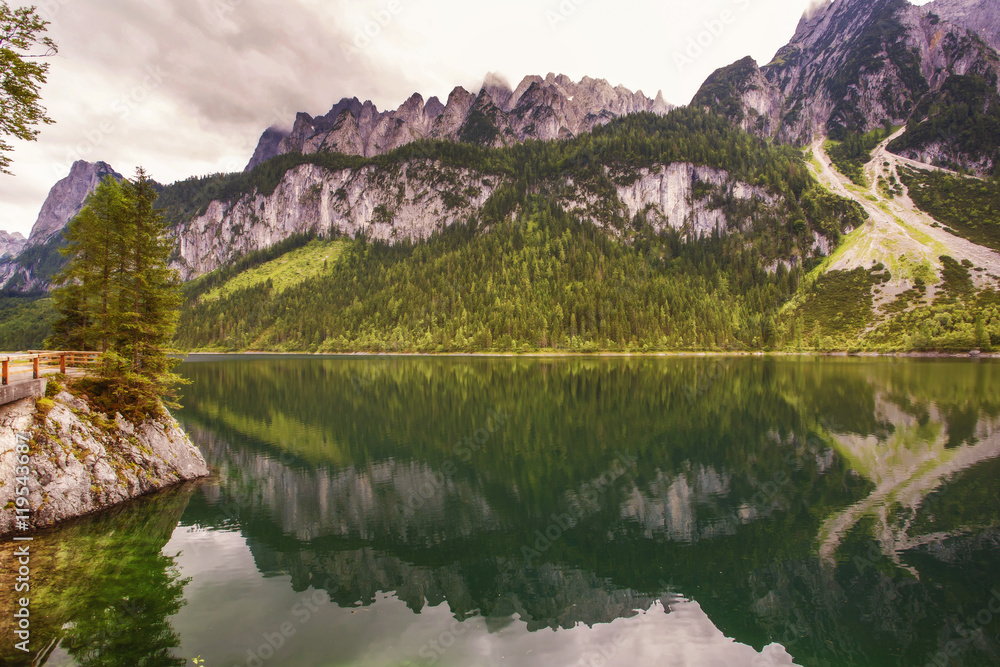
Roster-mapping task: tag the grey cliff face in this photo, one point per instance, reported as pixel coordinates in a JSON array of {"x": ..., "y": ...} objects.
[
  {"x": 11, "y": 244},
  {"x": 423, "y": 196},
  {"x": 981, "y": 17},
  {"x": 80, "y": 467},
  {"x": 66, "y": 199},
  {"x": 551, "y": 108},
  {"x": 854, "y": 64}
]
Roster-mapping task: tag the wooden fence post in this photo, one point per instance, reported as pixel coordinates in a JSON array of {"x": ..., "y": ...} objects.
[
  {"x": 62, "y": 363},
  {"x": 6, "y": 370},
  {"x": 34, "y": 366}
]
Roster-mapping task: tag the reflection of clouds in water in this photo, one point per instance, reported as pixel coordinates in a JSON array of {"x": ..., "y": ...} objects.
[{"x": 224, "y": 617}]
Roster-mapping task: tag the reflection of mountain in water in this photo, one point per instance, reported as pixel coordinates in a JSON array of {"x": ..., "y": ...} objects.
[
  {"x": 725, "y": 503},
  {"x": 919, "y": 451}
]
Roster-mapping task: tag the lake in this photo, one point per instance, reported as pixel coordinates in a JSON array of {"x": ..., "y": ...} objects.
[{"x": 389, "y": 511}]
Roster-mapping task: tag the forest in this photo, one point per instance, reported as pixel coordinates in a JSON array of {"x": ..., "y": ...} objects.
[{"x": 525, "y": 275}]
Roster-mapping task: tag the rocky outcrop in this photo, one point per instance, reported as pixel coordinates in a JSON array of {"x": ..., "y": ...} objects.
[
  {"x": 551, "y": 108},
  {"x": 854, "y": 65},
  {"x": 11, "y": 244},
  {"x": 29, "y": 272},
  {"x": 66, "y": 198},
  {"x": 417, "y": 198},
  {"x": 980, "y": 17},
  {"x": 82, "y": 462}
]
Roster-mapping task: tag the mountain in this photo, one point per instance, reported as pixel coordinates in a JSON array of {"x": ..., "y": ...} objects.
[
  {"x": 551, "y": 108},
  {"x": 979, "y": 16},
  {"x": 11, "y": 244},
  {"x": 684, "y": 172},
  {"x": 30, "y": 269},
  {"x": 855, "y": 65}
]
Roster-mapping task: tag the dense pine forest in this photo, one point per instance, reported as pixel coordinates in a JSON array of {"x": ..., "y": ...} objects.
[{"x": 525, "y": 275}]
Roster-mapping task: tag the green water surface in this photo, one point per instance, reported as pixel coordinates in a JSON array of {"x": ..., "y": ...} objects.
[{"x": 574, "y": 511}]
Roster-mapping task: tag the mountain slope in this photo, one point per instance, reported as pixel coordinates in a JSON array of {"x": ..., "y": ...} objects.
[
  {"x": 853, "y": 66},
  {"x": 686, "y": 171},
  {"x": 551, "y": 108},
  {"x": 30, "y": 269},
  {"x": 903, "y": 280}
]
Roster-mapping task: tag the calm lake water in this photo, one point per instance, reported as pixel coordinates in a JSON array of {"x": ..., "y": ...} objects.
[{"x": 535, "y": 512}]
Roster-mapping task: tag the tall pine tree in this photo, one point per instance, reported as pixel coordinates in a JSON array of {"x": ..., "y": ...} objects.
[{"x": 118, "y": 295}]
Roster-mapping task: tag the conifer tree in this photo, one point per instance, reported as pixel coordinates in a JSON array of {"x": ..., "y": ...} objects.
[{"x": 118, "y": 295}]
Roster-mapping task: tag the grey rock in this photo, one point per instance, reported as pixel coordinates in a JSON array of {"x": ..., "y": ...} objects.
[
  {"x": 64, "y": 201},
  {"x": 11, "y": 243},
  {"x": 78, "y": 467},
  {"x": 66, "y": 198},
  {"x": 821, "y": 82},
  {"x": 424, "y": 196},
  {"x": 551, "y": 108}
]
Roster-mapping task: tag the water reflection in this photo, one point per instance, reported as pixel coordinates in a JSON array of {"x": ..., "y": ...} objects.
[
  {"x": 788, "y": 499},
  {"x": 102, "y": 592}
]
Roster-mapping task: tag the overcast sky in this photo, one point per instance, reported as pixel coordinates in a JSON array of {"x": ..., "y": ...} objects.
[{"x": 185, "y": 87}]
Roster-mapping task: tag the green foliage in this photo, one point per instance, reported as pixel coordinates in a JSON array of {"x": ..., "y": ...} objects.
[
  {"x": 950, "y": 324},
  {"x": 963, "y": 119},
  {"x": 723, "y": 90},
  {"x": 286, "y": 271},
  {"x": 25, "y": 322},
  {"x": 836, "y": 309},
  {"x": 21, "y": 76},
  {"x": 546, "y": 281},
  {"x": 968, "y": 206},
  {"x": 117, "y": 295},
  {"x": 219, "y": 277},
  {"x": 855, "y": 151}
]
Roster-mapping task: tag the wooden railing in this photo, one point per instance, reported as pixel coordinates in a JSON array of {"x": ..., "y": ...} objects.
[{"x": 36, "y": 363}]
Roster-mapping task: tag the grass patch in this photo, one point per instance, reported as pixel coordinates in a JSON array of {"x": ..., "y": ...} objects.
[
  {"x": 286, "y": 271},
  {"x": 852, "y": 154}
]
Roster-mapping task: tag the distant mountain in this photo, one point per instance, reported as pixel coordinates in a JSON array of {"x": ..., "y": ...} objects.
[
  {"x": 66, "y": 198},
  {"x": 30, "y": 269},
  {"x": 11, "y": 244},
  {"x": 855, "y": 65},
  {"x": 551, "y": 108}
]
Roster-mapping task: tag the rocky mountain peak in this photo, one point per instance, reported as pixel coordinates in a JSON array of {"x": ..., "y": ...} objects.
[
  {"x": 11, "y": 243},
  {"x": 66, "y": 198},
  {"x": 854, "y": 65},
  {"x": 553, "y": 107}
]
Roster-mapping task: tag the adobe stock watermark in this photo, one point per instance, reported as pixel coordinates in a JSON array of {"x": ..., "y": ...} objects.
[
  {"x": 370, "y": 28},
  {"x": 464, "y": 449},
  {"x": 121, "y": 109},
  {"x": 586, "y": 503},
  {"x": 711, "y": 30},
  {"x": 562, "y": 12},
  {"x": 967, "y": 632}
]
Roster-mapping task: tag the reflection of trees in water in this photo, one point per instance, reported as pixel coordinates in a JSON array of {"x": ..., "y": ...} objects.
[
  {"x": 103, "y": 591},
  {"x": 731, "y": 489}
]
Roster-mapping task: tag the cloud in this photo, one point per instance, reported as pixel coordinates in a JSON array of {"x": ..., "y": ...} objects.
[{"x": 185, "y": 87}]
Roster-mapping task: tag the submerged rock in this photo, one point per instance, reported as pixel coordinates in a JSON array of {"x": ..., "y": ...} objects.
[{"x": 81, "y": 461}]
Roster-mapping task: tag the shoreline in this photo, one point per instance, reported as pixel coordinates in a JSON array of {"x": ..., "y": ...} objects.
[{"x": 613, "y": 355}]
